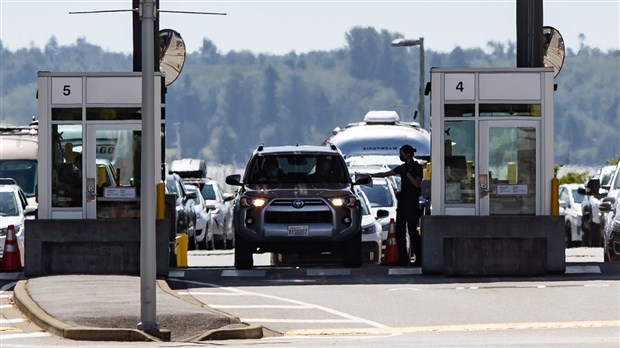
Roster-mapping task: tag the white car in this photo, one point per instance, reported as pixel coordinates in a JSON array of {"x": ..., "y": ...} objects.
[
  {"x": 220, "y": 210},
  {"x": 381, "y": 195},
  {"x": 14, "y": 209},
  {"x": 570, "y": 207},
  {"x": 204, "y": 234},
  {"x": 371, "y": 229}
]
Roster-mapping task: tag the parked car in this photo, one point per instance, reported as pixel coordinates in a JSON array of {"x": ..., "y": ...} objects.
[
  {"x": 289, "y": 202},
  {"x": 371, "y": 229},
  {"x": 610, "y": 207},
  {"x": 220, "y": 210},
  {"x": 570, "y": 207},
  {"x": 590, "y": 215},
  {"x": 14, "y": 210},
  {"x": 204, "y": 234},
  {"x": 185, "y": 215}
]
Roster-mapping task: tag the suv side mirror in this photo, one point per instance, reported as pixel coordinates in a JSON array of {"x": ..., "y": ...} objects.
[
  {"x": 382, "y": 213},
  {"x": 362, "y": 179},
  {"x": 592, "y": 186},
  {"x": 234, "y": 180},
  {"x": 227, "y": 196},
  {"x": 605, "y": 206}
]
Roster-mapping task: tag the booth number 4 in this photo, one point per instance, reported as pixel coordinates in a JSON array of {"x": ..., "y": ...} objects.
[{"x": 459, "y": 86}]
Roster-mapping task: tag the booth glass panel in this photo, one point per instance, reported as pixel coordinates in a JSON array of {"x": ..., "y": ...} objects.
[
  {"x": 512, "y": 170},
  {"x": 66, "y": 114},
  {"x": 112, "y": 114},
  {"x": 459, "y": 110},
  {"x": 118, "y": 173},
  {"x": 459, "y": 162},
  {"x": 66, "y": 165},
  {"x": 510, "y": 110}
]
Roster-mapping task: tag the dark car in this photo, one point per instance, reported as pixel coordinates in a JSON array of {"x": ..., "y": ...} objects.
[
  {"x": 185, "y": 213},
  {"x": 610, "y": 208},
  {"x": 297, "y": 199}
]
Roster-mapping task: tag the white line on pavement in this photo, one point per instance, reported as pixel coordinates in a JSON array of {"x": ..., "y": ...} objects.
[
  {"x": 298, "y": 321},
  {"x": 260, "y": 306},
  {"x": 23, "y": 335},
  {"x": 11, "y": 321}
]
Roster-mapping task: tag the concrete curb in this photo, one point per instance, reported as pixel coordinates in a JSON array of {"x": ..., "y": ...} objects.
[
  {"x": 42, "y": 319},
  {"x": 236, "y": 329}
]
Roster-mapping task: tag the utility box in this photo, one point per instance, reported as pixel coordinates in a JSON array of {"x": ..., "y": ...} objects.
[{"x": 492, "y": 158}]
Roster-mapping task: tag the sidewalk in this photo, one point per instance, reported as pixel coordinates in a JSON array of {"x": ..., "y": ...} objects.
[{"x": 108, "y": 308}]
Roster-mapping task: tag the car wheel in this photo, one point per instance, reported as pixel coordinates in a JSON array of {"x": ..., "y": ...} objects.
[
  {"x": 244, "y": 254},
  {"x": 191, "y": 243},
  {"x": 230, "y": 243},
  {"x": 595, "y": 235},
  {"x": 203, "y": 244},
  {"x": 352, "y": 253}
]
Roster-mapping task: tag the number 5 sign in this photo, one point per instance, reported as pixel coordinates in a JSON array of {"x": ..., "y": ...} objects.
[
  {"x": 459, "y": 87},
  {"x": 67, "y": 90}
]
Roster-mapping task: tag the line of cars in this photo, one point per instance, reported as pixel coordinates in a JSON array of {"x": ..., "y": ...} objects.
[
  {"x": 202, "y": 212},
  {"x": 14, "y": 210},
  {"x": 592, "y": 212}
]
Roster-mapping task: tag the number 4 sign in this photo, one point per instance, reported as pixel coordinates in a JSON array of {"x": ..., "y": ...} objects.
[{"x": 459, "y": 87}]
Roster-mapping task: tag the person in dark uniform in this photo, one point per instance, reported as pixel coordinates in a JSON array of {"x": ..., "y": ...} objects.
[{"x": 408, "y": 208}]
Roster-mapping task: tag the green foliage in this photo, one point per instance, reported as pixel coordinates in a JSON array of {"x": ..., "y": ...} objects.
[
  {"x": 613, "y": 161},
  {"x": 227, "y": 103},
  {"x": 574, "y": 177}
]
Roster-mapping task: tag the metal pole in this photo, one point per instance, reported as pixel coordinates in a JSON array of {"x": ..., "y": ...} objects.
[
  {"x": 421, "y": 101},
  {"x": 147, "y": 181}
]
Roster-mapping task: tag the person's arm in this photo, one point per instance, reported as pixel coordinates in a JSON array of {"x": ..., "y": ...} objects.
[
  {"x": 416, "y": 181},
  {"x": 383, "y": 174}
]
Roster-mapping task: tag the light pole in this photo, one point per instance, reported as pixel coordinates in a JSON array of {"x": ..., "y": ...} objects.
[{"x": 420, "y": 42}]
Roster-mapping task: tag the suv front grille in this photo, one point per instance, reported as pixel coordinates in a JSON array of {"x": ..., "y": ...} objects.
[
  {"x": 289, "y": 202},
  {"x": 294, "y": 217}
]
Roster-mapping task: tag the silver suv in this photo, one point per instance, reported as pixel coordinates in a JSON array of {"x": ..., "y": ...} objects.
[{"x": 297, "y": 199}]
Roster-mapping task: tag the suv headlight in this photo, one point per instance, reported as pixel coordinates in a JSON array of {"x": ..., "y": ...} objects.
[
  {"x": 370, "y": 229},
  {"x": 247, "y": 202},
  {"x": 349, "y": 201}
]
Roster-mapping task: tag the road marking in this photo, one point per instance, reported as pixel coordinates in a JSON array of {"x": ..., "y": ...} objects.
[
  {"x": 5, "y": 296},
  {"x": 11, "y": 321},
  {"x": 209, "y": 293},
  {"x": 261, "y": 306},
  {"x": 349, "y": 317},
  {"x": 456, "y": 328},
  {"x": 299, "y": 321},
  {"x": 10, "y": 276},
  {"x": 4, "y": 306},
  {"x": 404, "y": 289},
  {"x": 8, "y": 286},
  {"x": 176, "y": 274},
  {"x": 24, "y": 335},
  {"x": 4, "y": 329}
]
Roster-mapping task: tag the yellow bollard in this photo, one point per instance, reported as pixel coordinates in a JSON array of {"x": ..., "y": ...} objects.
[
  {"x": 555, "y": 204},
  {"x": 161, "y": 207},
  {"x": 181, "y": 243}
]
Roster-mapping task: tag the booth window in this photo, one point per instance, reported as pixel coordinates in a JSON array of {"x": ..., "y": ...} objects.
[
  {"x": 510, "y": 110},
  {"x": 459, "y": 161},
  {"x": 459, "y": 110},
  {"x": 66, "y": 165},
  {"x": 66, "y": 114},
  {"x": 112, "y": 114}
]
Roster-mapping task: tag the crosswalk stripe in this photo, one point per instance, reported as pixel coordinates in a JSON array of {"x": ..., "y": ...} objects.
[
  {"x": 11, "y": 321},
  {"x": 23, "y": 335}
]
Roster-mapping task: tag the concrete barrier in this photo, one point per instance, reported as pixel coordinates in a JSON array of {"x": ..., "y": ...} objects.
[
  {"x": 493, "y": 245},
  {"x": 55, "y": 247}
]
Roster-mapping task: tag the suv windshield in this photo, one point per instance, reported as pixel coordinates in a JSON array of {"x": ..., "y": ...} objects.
[
  {"x": 297, "y": 168},
  {"x": 23, "y": 171}
]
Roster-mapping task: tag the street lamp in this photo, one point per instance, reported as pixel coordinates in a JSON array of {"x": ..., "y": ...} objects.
[{"x": 420, "y": 42}]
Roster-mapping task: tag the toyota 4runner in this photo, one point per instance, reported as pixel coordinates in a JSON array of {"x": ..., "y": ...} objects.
[{"x": 297, "y": 199}]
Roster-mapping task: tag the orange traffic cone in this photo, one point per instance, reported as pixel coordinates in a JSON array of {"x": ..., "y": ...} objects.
[
  {"x": 391, "y": 250},
  {"x": 11, "y": 260}
]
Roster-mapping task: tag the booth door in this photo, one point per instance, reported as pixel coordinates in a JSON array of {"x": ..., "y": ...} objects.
[
  {"x": 508, "y": 168},
  {"x": 112, "y": 166}
]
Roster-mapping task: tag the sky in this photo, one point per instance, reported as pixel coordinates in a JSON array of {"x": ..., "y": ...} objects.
[{"x": 279, "y": 27}]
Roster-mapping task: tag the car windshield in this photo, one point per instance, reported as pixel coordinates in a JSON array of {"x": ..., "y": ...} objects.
[
  {"x": 578, "y": 197},
  {"x": 8, "y": 204},
  {"x": 23, "y": 171},
  {"x": 297, "y": 168},
  {"x": 379, "y": 194},
  {"x": 208, "y": 193}
]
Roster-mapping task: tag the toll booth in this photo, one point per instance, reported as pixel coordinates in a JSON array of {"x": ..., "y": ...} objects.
[
  {"x": 89, "y": 161},
  {"x": 492, "y": 164}
]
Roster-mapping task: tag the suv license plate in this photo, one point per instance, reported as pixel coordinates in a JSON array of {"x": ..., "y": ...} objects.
[{"x": 297, "y": 231}]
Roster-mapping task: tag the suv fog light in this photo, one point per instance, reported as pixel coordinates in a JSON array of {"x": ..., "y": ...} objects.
[
  {"x": 346, "y": 220},
  {"x": 249, "y": 221}
]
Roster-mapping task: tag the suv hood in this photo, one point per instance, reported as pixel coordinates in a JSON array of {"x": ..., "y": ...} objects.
[{"x": 298, "y": 189}]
